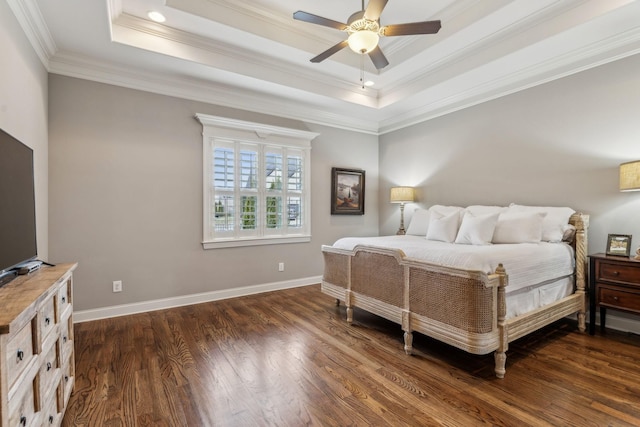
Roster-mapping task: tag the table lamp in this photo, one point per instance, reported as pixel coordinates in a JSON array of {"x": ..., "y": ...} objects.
[{"x": 402, "y": 195}]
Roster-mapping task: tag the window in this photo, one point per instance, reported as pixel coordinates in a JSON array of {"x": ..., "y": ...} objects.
[{"x": 256, "y": 183}]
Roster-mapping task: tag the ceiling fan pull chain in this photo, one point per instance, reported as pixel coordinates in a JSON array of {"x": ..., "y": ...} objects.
[{"x": 362, "y": 70}]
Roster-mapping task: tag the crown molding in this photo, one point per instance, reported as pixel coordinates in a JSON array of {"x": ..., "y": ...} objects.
[
  {"x": 218, "y": 94},
  {"x": 34, "y": 27},
  {"x": 593, "y": 55}
]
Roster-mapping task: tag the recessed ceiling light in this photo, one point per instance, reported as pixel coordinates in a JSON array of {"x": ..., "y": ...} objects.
[
  {"x": 156, "y": 16},
  {"x": 369, "y": 83}
]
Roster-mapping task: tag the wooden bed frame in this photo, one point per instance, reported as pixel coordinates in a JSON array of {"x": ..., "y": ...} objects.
[{"x": 466, "y": 309}]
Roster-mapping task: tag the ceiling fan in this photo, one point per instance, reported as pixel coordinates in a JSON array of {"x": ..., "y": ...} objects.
[{"x": 364, "y": 31}]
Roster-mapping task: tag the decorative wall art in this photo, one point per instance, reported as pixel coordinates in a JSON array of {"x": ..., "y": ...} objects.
[{"x": 347, "y": 191}]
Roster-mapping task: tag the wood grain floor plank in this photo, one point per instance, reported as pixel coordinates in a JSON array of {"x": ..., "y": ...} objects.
[{"x": 288, "y": 358}]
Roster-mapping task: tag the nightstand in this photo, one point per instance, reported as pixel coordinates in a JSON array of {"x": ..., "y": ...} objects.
[{"x": 614, "y": 282}]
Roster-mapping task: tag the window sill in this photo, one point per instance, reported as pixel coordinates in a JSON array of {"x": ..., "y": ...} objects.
[{"x": 234, "y": 243}]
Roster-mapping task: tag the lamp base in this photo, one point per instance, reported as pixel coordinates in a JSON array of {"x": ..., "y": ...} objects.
[{"x": 401, "y": 230}]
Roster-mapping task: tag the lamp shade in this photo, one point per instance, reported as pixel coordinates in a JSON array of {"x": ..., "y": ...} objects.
[
  {"x": 630, "y": 176},
  {"x": 402, "y": 195}
]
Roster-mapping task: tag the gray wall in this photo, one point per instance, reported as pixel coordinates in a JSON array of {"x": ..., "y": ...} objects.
[
  {"x": 558, "y": 144},
  {"x": 23, "y": 109},
  {"x": 125, "y": 180}
]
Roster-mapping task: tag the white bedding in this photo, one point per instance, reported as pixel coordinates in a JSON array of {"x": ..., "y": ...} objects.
[{"x": 527, "y": 264}]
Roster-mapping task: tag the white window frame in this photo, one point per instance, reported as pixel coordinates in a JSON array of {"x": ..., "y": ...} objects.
[{"x": 226, "y": 132}]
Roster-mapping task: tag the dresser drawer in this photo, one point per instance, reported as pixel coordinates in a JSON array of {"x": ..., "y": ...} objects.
[
  {"x": 47, "y": 317},
  {"x": 49, "y": 372},
  {"x": 20, "y": 351},
  {"x": 619, "y": 298},
  {"x": 51, "y": 415},
  {"x": 67, "y": 380},
  {"x": 64, "y": 296},
  {"x": 24, "y": 413},
  {"x": 66, "y": 337},
  {"x": 618, "y": 273}
]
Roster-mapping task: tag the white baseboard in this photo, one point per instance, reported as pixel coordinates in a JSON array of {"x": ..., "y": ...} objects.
[
  {"x": 622, "y": 324},
  {"x": 160, "y": 304},
  {"x": 614, "y": 322}
]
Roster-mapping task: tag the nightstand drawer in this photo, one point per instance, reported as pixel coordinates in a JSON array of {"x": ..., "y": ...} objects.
[
  {"x": 627, "y": 274},
  {"x": 618, "y": 298}
]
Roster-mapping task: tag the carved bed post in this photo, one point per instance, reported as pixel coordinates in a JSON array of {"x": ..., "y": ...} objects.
[
  {"x": 581, "y": 222},
  {"x": 406, "y": 313},
  {"x": 500, "y": 355},
  {"x": 347, "y": 303},
  {"x": 408, "y": 335}
]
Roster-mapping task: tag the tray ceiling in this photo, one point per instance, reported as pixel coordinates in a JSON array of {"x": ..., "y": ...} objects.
[{"x": 252, "y": 54}]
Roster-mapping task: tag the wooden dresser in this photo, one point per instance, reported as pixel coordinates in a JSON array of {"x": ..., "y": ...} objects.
[
  {"x": 36, "y": 347},
  {"x": 614, "y": 282}
]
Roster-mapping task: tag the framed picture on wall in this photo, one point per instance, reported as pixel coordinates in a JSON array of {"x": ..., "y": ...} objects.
[
  {"x": 619, "y": 244},
  {"x": 347, "y": 191}
]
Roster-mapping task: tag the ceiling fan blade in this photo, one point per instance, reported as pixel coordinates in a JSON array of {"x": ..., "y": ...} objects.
[
  {"x": 426, "y": 27},
  {"x": 319, "y": 20},
  {"x": 374, "y": 9},
  {"x": 327, "y": 53},
  {"x": 378, "y": 58}
]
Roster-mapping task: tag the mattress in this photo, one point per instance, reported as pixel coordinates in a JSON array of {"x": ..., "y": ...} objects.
[
  {"x": 535, "y": 296},
  {"x": 529, "y": 265}
]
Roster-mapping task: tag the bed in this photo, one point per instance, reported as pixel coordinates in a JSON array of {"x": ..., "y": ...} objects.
[{"x": 489, "y": 276}]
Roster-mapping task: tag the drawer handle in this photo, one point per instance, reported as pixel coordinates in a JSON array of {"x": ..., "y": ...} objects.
[
  {"x": 23, "y": 420},
  {"x": 616, "y": 298},
  {"x": 48, "y": 366},
  {"x": 616, "y": 273},
  {"x": 47, "y": 321},
  {"x": 20, "y": 355}
]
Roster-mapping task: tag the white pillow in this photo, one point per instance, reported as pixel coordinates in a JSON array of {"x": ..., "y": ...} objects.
[
  {"x": 554, "y": 222},
  {"x": 477, "y": 230},
  {"x": 518, "y": 227},
  {"x": 485, "y": 210},
  {"x": 443, "y": 228},
  {"x": 447, "y": 210},
  {"x": 419, "y": 223}
]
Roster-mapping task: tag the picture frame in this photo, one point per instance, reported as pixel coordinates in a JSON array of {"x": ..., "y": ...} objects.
[
  {"x": 619, "y": 245},
  {"x": 347, "y": 191}
]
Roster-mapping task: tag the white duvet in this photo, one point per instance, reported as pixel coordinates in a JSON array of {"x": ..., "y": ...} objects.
[{"x": 527, "y": 264}]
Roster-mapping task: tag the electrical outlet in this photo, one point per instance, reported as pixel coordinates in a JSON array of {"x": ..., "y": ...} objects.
[
  {"x": 281, "y": 266},
  {"x": 117, "y": 286}
]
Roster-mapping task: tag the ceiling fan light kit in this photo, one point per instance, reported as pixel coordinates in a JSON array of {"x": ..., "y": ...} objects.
[
  {"x": 363, "y": 41},
  {"x": 364, "y": 31}
]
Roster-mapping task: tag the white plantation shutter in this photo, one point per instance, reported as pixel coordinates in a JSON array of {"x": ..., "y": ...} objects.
[{"x": 256, "y": 183}]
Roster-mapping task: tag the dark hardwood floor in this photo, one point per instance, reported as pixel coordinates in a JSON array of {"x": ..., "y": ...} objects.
[{"x": 288, "y": 358}]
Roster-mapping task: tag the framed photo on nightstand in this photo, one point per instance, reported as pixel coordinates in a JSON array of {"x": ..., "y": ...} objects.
[{"x": 619, "y": 245}]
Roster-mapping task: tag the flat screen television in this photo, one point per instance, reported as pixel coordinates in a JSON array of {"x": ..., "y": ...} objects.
[{"x": 17, "y": 206}]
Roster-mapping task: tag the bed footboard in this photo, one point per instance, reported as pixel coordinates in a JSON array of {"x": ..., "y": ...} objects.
[{"x": 459, "y": 307}]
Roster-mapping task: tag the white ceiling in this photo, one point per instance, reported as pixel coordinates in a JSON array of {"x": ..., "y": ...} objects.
[{"x": 253, "y": 55}]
